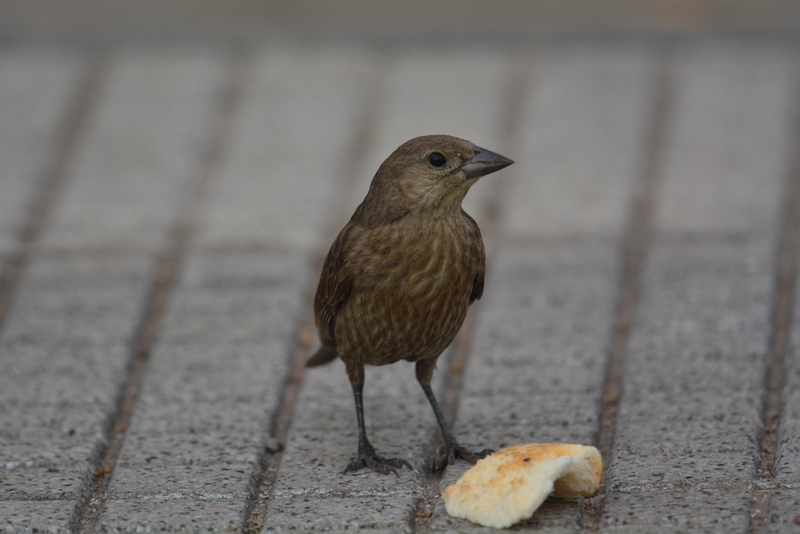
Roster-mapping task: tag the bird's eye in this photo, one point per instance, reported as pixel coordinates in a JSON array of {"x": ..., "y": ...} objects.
[{"x": 436, "y": 159}]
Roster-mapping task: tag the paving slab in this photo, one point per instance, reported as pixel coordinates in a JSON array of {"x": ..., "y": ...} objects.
[
  {"x": 215, "y": 380},
  {"x": 207, "y": 396},
  {"x": 690, "y": 415},
  {"x": 68, "y": 334},
  {"x": 730, "y": 143},
  {"x": 71, "y": 371},
  {"x": 289, "y": 145},
  {"x": 36, "y": 88},
  {"x": 537, "y": 362},
  {"x": 535, "y": 376},
  {"x": 679, "y": 510},
  {"x": 323, "y": 439},
  {"x": 585, "y": 122},
  {"x": 537, "y": 380},
  {"x": 694, "y": 363},
  {"x": 785, "y": 509},
  {"x": 313, "y": 122},
  {"x": 175, "y": 512},
  {"x": 147, "y": 129},
  {"x": 52, "y": 516}
]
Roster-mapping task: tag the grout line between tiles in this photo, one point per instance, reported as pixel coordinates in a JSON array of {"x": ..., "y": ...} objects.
[
  {"x": 270, "y": 456},
  {"x": 458, "y": 358},
  {"x": 52, "y": 182},
  {"x": 784, "y": 283},
  {"x": 94, "y": 489},
  {"x": 633, "y": 254}
]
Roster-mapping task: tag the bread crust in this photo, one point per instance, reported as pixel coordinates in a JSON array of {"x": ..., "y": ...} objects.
[{"x": 509, "y": 485}]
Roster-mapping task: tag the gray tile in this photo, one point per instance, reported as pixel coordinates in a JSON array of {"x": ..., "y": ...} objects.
[
  {"x": 681, "y": 510},
  {"x": 141, "y": 150},
  {"x": 729, "y": 140},
  {"x": 172, "y": 513},
  {"x": 38, "y": 516},
  {"x": 36, "y": 88},
  {"x": 60, "y": 383},
  {"x": 584, "y": 128},
  {"x": 693, "y": 385},
  {"x": 288, "y": 146}
]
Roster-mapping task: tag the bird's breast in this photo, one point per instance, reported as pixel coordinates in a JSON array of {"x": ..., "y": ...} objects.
[{"x": 410, "y": 293}]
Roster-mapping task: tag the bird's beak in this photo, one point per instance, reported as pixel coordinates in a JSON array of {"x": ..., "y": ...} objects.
[{"x": 484, "y": 162}]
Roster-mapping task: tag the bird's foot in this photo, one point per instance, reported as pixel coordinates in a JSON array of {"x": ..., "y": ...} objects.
[
  {"x": 447, "y": 454},
  {"x": 377, "y": 463}
]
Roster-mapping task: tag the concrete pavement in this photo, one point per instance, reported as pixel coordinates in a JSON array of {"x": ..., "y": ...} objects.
[{"x": 164, "y": 211}]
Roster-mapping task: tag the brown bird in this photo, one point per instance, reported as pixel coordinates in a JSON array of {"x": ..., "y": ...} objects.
[{"x": 398, "y": 279}]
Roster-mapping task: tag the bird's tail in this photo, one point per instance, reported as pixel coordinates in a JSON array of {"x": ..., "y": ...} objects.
[{"x": 321, "y": 357}]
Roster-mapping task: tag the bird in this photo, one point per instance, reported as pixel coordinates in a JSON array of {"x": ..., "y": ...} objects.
[{"x": 397, "y": 281}]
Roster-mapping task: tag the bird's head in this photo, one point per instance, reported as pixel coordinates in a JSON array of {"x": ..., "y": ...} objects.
[{"x": 431, "y": 173}]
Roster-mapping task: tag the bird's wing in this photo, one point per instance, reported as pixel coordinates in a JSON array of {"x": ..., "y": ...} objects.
[
  {"x": 480, "y": 264},
  {"x": 477, "y": 285},
  {"x": 333, "y": 290}
]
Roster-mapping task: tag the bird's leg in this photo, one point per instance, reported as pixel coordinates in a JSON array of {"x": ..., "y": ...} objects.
[
  {"x": 446, "y": 455},
  {"x": 367, "y": 457}
]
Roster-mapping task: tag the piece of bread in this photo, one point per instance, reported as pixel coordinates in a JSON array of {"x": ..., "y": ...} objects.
[{"x": 509, "y": 485}]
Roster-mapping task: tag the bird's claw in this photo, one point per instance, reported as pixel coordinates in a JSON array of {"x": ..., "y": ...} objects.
[
  {"x": 447, "y": 454},
  {"x": 377, "y": 463}
]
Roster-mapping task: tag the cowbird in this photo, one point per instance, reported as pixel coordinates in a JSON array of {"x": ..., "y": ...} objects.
[{"x": 398, "y": 280}]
